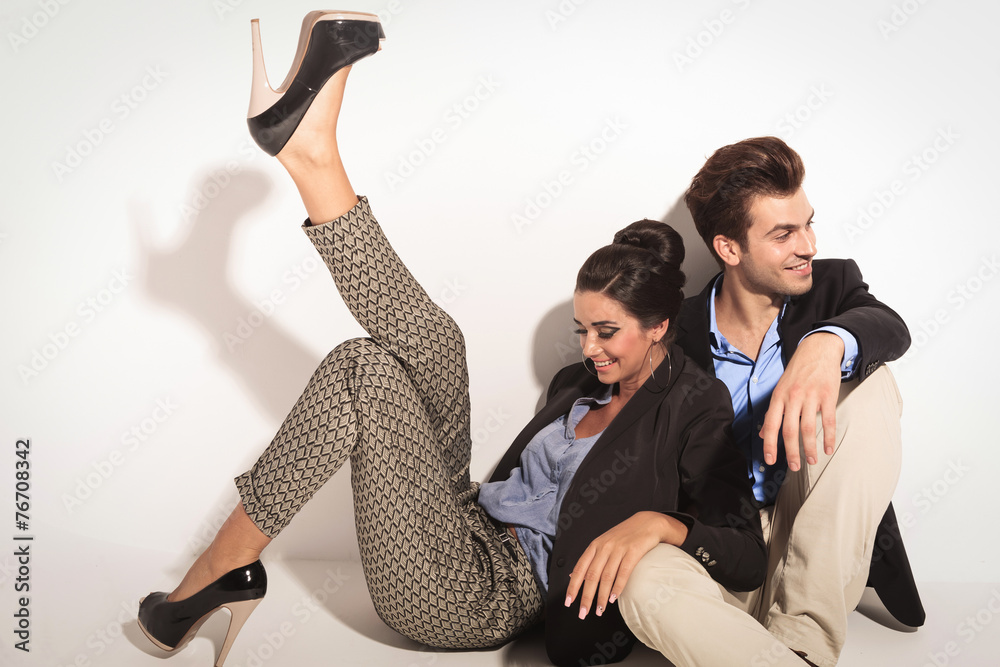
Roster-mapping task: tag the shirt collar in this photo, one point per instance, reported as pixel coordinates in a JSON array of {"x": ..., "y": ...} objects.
[
  {"x": 718, "y": 342},
  {"x": 581, "y": 407}
]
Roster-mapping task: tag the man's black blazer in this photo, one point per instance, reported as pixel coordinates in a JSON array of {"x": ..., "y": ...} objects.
[{"x": 838, "y": 297}]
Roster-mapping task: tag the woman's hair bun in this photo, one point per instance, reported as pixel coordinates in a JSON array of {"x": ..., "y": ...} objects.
[
  {"x": 641, "y": 270},
  {"x": 657, "y": 237}
]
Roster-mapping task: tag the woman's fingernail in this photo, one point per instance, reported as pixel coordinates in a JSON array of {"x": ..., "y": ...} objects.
[
  {"x": 600, "y": 610},
  {"x": 611, "y": 600},
  {"x": 811, "y": 460},
  {"x": 569, "y": 600},
  {"x": 583, "y": 613}
]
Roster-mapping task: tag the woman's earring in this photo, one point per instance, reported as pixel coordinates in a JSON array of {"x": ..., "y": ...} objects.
[
  {"x": 670, "y": 368},
  {"x": 651, "y": 374}
]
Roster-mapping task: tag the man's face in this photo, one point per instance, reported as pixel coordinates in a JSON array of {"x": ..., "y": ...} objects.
[{"x": 780, "y": 245}]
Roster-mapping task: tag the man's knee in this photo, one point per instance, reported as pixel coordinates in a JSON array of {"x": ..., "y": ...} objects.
[
  {"x": 877, "y": 393},
  {"x": 659, "y": 582},
  {"x": 868, "y": 415}
]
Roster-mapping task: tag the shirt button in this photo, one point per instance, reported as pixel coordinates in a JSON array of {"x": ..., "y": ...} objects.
[
  {"x": 761, "y": 469},
  {"x": 755, "y": 380}
]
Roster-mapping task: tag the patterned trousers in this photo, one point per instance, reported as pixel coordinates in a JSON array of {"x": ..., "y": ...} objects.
[{"x": 397, "y": 405}]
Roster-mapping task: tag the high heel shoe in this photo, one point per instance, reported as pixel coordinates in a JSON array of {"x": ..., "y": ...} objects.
[
  {"x": 171, "y": 625},
  {"x": 328, "y": 42}
]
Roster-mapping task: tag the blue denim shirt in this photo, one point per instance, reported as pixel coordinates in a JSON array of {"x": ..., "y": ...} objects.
[{"x": 531, "y": 497}]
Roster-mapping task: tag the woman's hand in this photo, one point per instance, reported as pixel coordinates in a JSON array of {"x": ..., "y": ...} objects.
[{"x": 610, "y": 559}]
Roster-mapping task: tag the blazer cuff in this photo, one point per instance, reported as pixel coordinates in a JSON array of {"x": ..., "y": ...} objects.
[{"x": 697, "y": 542}]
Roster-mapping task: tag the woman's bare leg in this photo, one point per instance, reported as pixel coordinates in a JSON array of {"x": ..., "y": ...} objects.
[
  {"x": 312, "y": 156},
  {"x": 312, "y": 159},
  {"x": 238, "y": 542}
]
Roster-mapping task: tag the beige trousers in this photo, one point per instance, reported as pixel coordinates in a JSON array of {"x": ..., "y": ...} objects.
[{"x": 820, "y": 534}]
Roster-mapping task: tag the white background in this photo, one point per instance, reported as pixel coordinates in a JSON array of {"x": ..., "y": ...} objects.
[{"x": 139, "y": 226}]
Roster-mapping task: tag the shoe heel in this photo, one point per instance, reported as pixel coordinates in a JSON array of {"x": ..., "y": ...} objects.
[
  {"x": 171, "y": 625},
  {"x": 262, "y": 95},
  {"x": 239, "y": 613}
]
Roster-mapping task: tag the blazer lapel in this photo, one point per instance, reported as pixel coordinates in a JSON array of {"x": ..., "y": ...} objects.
[
  {"x": 693, "y": 329},
  {"x": 647, "y": 398}
]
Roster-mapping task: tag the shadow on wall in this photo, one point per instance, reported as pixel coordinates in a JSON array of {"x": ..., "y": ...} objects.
[
  {"x": 699, "y": 264},
  {"x": 555, "y": 345},
  {"x": 193, "y": 278}
]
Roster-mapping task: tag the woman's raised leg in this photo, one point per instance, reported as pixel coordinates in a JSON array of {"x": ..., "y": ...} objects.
[
  {"x": 438, "y": 569},
  {"x": 377, "y": 287},
  {"x": 399, "y": 315},
  {"x": 398, "y": 406},
  {"x": 312, "y": 159}
]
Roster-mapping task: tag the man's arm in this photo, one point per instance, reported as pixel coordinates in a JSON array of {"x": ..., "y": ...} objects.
[
  {"x": 810, "y": 384},
  {"x": 880, "y": 332}
]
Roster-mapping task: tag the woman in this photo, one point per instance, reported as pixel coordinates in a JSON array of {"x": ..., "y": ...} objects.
[{"x": 632, "y": 448}]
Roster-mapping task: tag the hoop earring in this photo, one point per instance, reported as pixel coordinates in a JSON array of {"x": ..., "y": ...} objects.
[
  {"x": 592, "y": 372},
  {"x": 670, "y": 367}
]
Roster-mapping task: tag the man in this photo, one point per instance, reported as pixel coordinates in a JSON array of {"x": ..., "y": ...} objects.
[{"x": 801, "y": 345}]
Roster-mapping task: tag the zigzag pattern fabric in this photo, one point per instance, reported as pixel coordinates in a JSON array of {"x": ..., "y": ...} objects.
[{"x": 397, "y": 405}]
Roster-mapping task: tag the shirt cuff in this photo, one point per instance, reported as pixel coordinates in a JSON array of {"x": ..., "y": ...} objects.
[{"x": 850, "y": 349}]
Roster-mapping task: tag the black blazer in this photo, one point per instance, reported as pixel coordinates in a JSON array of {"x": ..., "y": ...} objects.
[
  {"x": 838, "y": 297},
  {"x": 670, "y": 450}
]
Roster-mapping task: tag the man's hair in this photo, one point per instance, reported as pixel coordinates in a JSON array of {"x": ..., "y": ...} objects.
[{"x": 723, "y": 191}]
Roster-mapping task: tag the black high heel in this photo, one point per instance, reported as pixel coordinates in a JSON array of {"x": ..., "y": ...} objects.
[
  {"x": 171, "y": 625},
  {"x": 328, "y": 42}
]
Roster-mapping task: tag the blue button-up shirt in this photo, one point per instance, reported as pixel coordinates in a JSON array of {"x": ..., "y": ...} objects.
[
  {"x": 531, "y": 497},
  {"x": 751, "y": 383}
]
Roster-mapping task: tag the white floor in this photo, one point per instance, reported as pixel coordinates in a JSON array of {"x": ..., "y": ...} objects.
[{"x": 319, "y": 613}]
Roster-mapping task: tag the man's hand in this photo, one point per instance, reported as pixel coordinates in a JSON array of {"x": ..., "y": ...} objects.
[
  {"x": 610, "y": 559},
  {"x": 809, "y": 386}
]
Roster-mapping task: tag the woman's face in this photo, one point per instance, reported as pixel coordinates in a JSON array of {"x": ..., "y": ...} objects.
[{"x": 613, "y": 339}]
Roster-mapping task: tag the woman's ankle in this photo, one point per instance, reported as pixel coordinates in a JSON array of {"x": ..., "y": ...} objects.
[
  {"x": 239, "y": 542},
  {"x": 314, "y": 163},
  {"x": 209, "y": 566},
  {"x": 315, "y": 138}
]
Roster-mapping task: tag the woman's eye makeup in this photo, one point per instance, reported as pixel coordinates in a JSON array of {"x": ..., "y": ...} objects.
[{"x": 603, "y": 333}]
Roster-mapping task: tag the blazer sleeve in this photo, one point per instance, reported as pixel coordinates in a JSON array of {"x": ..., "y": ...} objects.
[
  {"x": 881, "y": 333},
  {"x": 724, "y": 532}
]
